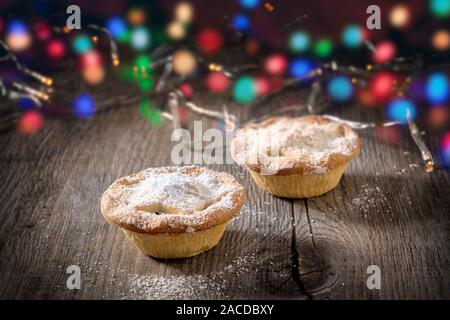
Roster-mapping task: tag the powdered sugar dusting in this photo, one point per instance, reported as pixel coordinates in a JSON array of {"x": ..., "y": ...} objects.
[
  {"x": 178, "y": 192},
  {"x": 191, "y": 286},
  {"x": 285, "y": 141}
]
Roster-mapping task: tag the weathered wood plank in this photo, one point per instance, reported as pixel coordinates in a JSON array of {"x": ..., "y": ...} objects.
[
  {"x": 384, "y": 212},
  {"x": 379, "y": 214}
]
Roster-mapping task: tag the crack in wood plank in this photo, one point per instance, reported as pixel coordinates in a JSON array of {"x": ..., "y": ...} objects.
[{"x": 295, "y": 273}]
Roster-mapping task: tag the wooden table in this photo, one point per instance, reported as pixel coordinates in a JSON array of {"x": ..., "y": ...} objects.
[{"x": 386, "y": 211}]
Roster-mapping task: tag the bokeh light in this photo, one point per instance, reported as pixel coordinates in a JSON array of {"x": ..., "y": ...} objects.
[
  {"x": 26, "y": 104},
  {"x": 187, "y": 90},
  {"x": 209, "y": 41},
  {"x": 184, "y": 12},
  {"x": 437, "y": 88},
  {"x": 301, "y": 67},
  {"x": 263, "y": 86},
  {"x": 30, "y": 122},
  {"x": 143, "y": 71},
  {"x": 399, "y": 16},
  {"x": 249, "y": 4},
  {"x": 340, "y": 88},
  {"x": 92, "y": 69},
  {"x": 352, "y": 36},
  {"x": 438, "y": 117},
  {"x": 299, "y": 41},
  {"x": 323, "y": 48},
  {"x": 241, "y": 22},
  {"x": 18, "y": 37},
  {"x": 244, "y": 90},
  {"x": 384, "y": 52},
  {"x": 276, "y": 64},
  {"x": 42, "y": 30},
  {"x": 140, "y": 38},
  {"x": 441, "y": 40},
  {"x": 90, "y": 59},
  {"x": 382, "y": 85},
  {"x": 440, "y": 8},
  {"x": 401, "y": 109},
  {"x": 94, "y": 75},
  {"x": 366, "y": 97},
  {"x": 84, "y": 106},
  {"x": 56, "y": 49},
  {"x": 150, "y": 113},
  {"x": 184, "y": 62},
  {"x": 176, "y": 30},
  {"x": 136, "y": 16},
  {"x": 252, "y": 47},
  {"x": 217, "y": 82},
  {"x": 118, "y": 28},
  {"x": 445, "y": 149},
  {"x": 81, "y": 44}
]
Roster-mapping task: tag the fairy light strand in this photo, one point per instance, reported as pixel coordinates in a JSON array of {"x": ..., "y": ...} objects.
[{"x": 33, "y": 74}]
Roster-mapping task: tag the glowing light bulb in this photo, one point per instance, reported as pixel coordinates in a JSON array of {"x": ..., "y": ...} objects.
[
  {"x": 244, "y": 90},
  {"x": 441, "y": 40},
  {"x": 217, "y": 81},
  {"x": 276, "y": 64},
  {"x": 184, "y": 12},
  {"x": 184, "y": 62},
  {"x": 340, "y": 88},
  {"x": 399, "y": 16}
]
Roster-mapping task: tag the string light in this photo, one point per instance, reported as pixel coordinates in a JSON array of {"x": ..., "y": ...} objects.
[
  {"x": 340, "y": 88},
  {"x": 35, "y": 75},
  {"x": 209, "y": 41},
  {"x": 84, "y": 105},
  {"x": 441, "y": 40},
  {"x": 384, "y": 52},
  {"x": 241, "y": 22},
  {"x": 352, "y": 36},
  {"x": 82, "y": 44},
  {"x": 56, "y": 49},
  {"x": 249, "y": 4},
  {"x": 244, "y": 90},
  {"x": 42, "y": 30},
  {"x": 114, "y": 51},
  {"x": 276, "y": 64},
  {"x": 399, "y": 16},
  {"x": 18, "y": 37},
  {"x": 118, "y": 28},
  {"x": 30, "y": 122},
  {"x": 136, "y": 16},
  {"x": 217, "y": 82},
  {"x": 301, "y": 67},
  {"x": 382, "y": 85},
  {"x": 401, "y": 109},
  {"x": 140, "y": 38},
  {"x": 184, "y": 12},
  {"x": 323, "y": 48},
  {"x": 437, "y": 88},
  {"x": 445, "y": 149},
  {"x": 184, "y": 62},
  {"x": 175, "y": 30},
  {"x": 440, "y": 8},
  {"x": 299, "y": 41}
]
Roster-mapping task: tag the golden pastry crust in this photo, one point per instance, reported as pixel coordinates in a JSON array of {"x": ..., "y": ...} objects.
[
  {"x": 172, "y": 200},
  {"x": 329, "y": 145}
]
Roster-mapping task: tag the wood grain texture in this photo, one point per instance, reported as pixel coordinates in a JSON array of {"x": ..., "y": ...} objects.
[{"x": 384, "y": 212}]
